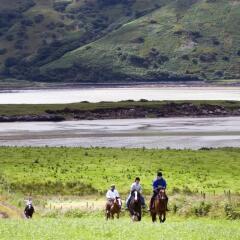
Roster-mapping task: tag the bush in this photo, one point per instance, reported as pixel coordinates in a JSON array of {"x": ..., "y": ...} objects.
[
  {"x": 219, "y": 73},
  {"x": 75, "y": 213},
  {"x": 39, "y": 18},
  {"x": 225, "y": 58},
  {"x": 3, "y": 51},
  {"x": 137, "y": 61},
  {"x": 195, "y": 61},
  {"x": 11, "y": 61},
  {"x": 185, "y": 57},
  {"x": 19, "y": 44},
  {"x": 230, "y": 212},
  {"x": 202, "y": 209},
  {"x": 61, "y": 6},
  {"x": 208, "y": 57},
  {"x": 9, "y": 37},
  {"x": 27, "y": 22}
]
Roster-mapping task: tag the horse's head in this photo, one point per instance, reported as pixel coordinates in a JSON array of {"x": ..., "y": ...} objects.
[
  {"x": 29, "y": 206},
  {"x": 162, "y": 194},
  {"x": 118, "y": 202},
  {"x": 135, "y": 195}
]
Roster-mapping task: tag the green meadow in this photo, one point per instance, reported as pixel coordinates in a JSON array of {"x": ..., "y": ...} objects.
[
  {"x": 81, "y": 171},
  {"x": 99, "y": 229}
]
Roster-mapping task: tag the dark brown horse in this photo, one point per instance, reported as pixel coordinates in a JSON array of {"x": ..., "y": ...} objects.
[
  {"x": 113, "y": 207},
  {"x": 160, "y": 207},
  {"x": 135, "y": 206},
  {"x": 28, "y": 211}
]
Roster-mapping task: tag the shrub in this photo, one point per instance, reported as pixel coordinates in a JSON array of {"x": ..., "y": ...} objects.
[
  {"x": 39, "y": 18},
  {"x": 225, "y": 58},
  {"x": 27, "y": 22},
  {"x": 195, "y": 61},
  {"x": 137, "y": 61},
  {"x": 219, "y": 73},
  {"x": 3, "y": 51},
  {"x": 230, "y": 212},
  {"x": 61, "y": 6},
  {"x": 19, "y": 44},
  {"x": 11, "y": 61},
  {"x": 9, "y": 37},
  {"x": 202, "y": 209},
  {"x": 185, "y": 57},
  {"x": 208, "y": 57}
]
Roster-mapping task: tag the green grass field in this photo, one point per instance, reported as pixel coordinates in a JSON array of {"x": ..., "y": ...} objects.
[
  {"x": 75, "y": 170},
  {"x": 79, "y": 171},
  {"x": 98, "y": 229}
]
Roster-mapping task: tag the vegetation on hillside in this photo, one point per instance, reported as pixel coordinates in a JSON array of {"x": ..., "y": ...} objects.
[
  {"x": 120, "y": 41},
  {"x": 80, "y": 171}
]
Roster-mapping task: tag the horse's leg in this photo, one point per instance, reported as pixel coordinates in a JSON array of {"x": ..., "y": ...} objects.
[
  {"x": 154, "y": 217},
  {"x": 164, "y": 216},
  {"x": 160, "y": 217}
]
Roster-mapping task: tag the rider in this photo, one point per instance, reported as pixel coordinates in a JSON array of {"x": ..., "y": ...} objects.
[
  {"x": 136, "y": 186},
  {"x": 158, "y": 183},
  {"x": 112, "y": 194},
  {"x": 28, "y": 201}
]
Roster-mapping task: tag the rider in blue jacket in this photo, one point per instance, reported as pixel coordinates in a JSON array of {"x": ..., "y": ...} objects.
[{"x": 158, "y": 183}]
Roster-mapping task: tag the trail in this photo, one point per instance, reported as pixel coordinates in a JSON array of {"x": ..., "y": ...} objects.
[{"x": 9, "y": 211}]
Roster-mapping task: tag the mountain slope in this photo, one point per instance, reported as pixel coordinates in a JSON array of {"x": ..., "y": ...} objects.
[{"x": 127, "y": 40}]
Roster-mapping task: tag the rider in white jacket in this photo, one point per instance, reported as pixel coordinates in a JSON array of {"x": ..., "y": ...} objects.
[{"x": 112, "y": 193}]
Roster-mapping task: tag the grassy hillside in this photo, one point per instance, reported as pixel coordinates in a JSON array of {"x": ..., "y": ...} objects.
[
  {"x": 113, "y": 41},
  {"x": 79, "y": 171}
]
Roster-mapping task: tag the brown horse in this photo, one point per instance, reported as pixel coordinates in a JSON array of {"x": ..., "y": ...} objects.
[
  {"x": 113, "y": 207},
  {"x": 160, "y": 207}
]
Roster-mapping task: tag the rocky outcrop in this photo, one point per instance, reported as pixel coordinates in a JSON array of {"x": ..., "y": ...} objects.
[
  {"x": 32, "y": 118},
  {"x": 165, "y": 110}
]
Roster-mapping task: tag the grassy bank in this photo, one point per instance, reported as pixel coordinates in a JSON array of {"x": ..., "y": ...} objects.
[
  {"x": 39, "y": 109},
  {"x": 98, "y": 229}
]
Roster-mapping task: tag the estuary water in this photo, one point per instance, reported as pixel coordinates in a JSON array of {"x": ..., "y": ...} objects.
[
  {"x": 179, "y": 133},
  {"x": 51, "y": 96}
]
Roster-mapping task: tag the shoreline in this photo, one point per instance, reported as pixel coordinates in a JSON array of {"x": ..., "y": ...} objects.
[{"x": 55, "y": 86}]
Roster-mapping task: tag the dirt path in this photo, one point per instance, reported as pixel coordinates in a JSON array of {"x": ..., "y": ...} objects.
[{"x": 9, "y": 211}]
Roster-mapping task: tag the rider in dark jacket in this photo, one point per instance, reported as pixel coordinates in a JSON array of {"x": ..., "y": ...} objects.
[{"x": 158, "y": 183}]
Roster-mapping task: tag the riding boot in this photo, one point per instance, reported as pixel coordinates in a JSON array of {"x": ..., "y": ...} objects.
[{"x": 151, "y": 204}]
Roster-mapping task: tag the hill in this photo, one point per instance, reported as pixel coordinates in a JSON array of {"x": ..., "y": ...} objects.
[{"x": 120, "y": 41}]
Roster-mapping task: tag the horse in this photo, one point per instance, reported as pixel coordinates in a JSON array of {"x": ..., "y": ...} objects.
[
  {"x": 28, "y": 211},
  {"x": 160, "y": 207},
  {"x": 113, "y": 207},
  {"x": 135, "y": 206}
]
